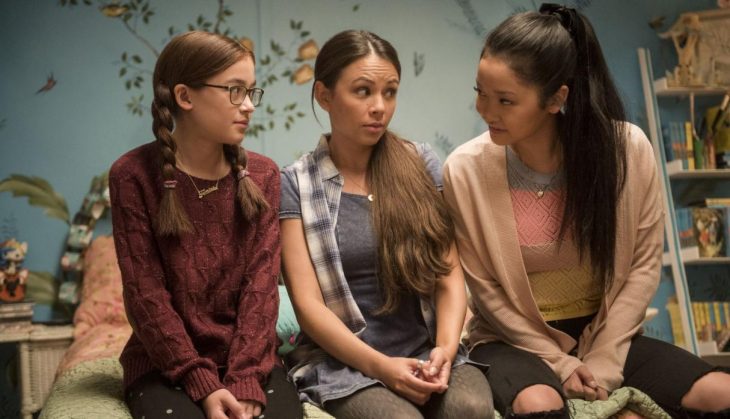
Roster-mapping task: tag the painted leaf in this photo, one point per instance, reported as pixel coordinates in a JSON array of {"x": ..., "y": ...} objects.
[
  {"x": 41, "y": 287},
  {"x": 39, "y": 193}
]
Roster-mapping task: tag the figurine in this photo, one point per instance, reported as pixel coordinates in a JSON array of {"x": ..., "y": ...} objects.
[
  {"x": 685, "y": 35},
  {"x": 13, "y": 277},
  {"x": 79, "y": 238}
]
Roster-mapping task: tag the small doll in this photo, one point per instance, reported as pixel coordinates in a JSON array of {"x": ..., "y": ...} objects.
[{"x": 12, "y": 276}]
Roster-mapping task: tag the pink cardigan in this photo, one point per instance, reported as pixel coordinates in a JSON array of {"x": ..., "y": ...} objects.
[{"x": 477, "y": 192}]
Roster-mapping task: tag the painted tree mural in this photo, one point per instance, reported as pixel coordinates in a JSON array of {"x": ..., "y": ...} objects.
[{"x": 289, "y": 60}]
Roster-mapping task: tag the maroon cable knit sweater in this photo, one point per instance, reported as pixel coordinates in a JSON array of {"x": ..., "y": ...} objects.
[{"x": 203, "y": 306}]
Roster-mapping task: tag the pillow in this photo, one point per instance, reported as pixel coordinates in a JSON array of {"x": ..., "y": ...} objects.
[
  {"x": 100, "y": 342},
  {"x": 101, "y": 290},
  {"x": 287, "y": 327}
]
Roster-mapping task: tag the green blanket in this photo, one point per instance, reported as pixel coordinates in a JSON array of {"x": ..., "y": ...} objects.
[{"x": 93, "y": 389}]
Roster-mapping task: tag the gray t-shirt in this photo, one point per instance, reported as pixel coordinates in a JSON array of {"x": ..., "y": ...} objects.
[{"x": 402, "y": 333}]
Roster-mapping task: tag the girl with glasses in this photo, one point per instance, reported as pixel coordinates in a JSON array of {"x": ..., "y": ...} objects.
[
  {"x": 197, "y": 237},
  {"x": 559, "y": 223}
]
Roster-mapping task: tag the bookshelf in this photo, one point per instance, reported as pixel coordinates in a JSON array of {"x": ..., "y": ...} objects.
[
  {"x": 676, "y": 256},
  {"x": 675, "y": 173}
]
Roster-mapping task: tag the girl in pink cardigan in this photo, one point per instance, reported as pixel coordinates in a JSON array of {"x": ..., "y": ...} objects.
[{"x": 560, "y": 225}]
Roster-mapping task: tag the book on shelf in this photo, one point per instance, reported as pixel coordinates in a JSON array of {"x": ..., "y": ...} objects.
[
  {"x": 716, "y": 125},
  {"x": 722, "y": 205},
  {"x": 693, "y": 151},
  {"x": 685, "y": 228},
  {"x": 13, "y": 307},
  {"x": 675, "y": 320},
  {"x": 16, "y": 313},
  {"x": 694, "y": 148},
  {"x": 708, "y": 225},
  {"x": 704, "y": 232},
  {"x": 717, "y": 202},
  {"x": 712, "y": 325}
]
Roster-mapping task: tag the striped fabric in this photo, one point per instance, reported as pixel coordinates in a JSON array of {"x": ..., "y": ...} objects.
[{"x": 320, "y": 185}]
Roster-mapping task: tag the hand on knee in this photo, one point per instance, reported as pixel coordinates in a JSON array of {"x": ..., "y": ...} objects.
[
  {"x": 537, "y": 398},
  {"x": 711, "y": 393}
]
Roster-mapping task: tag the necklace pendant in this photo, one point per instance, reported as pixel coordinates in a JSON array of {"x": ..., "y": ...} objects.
[
  {"x": 206, "y": 191},
  {"x": 370, "y": 197},
  {"x": 540, "y": 193}
]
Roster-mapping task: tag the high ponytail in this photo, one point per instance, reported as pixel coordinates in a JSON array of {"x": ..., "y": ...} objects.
[
  {"x": 597, "y": 168},
  {"x": 559, "y": 47}
]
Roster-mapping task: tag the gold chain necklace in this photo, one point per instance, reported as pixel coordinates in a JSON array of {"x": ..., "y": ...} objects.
[
  {"x": 541, "y": 187},
  {"x": 370, "y": 196},
  {"x": 201, "y": 192},
  {"x": 205, "y": 191}
]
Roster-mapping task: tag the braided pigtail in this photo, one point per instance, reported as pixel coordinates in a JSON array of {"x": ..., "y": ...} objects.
[
  {"x": 252, "y": 200},
  {"x": 171, "y": 218}
]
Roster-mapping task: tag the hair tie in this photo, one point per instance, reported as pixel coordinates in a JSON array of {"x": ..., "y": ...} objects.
[
  {"x": 169, "y": 184},
  {"x": 242, "y": 174},
  {"x": 568, "y": 17}
]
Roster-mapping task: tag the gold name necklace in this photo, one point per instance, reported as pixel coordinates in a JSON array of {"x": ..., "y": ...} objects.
[
  {"x": 201, "y": 192},
  {"x": 205, "y": 191}
]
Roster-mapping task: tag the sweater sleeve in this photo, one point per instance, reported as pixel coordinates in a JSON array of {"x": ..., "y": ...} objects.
[
  {"x": 147, "y": 301},
  {"x": 492, "y": 303},
  {"x": 606, "y": 355},
  {"x": 253, "y": 347}
]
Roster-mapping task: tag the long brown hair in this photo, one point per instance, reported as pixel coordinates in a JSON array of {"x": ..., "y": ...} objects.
[
  {"x": 191, "y": 59},
  {"x": 411, "y": 221},
  {"x": 559, "y": 47}
]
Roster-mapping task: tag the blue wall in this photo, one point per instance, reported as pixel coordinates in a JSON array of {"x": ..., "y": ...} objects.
[
  {"x": 75, "y": 130},
  {"x": 78, "y": 128}
]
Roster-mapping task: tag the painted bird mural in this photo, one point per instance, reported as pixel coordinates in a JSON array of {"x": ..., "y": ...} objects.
[{"x": 50, "y": 84}]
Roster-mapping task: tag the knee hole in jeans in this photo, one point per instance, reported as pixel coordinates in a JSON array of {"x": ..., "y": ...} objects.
[{"x": 537, "y": 398}]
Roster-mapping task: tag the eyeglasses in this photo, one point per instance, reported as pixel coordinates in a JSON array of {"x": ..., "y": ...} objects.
[{"x": 238, "y": 93}]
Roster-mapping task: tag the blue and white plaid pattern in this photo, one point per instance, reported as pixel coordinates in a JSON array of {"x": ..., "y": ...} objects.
[{"x": 320, "y": 186}]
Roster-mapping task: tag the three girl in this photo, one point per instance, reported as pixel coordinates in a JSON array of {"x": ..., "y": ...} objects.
[{"x": 556, "y": 214}]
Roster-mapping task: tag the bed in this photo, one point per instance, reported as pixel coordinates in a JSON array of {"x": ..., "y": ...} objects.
[{"x": 88, "y": 381}]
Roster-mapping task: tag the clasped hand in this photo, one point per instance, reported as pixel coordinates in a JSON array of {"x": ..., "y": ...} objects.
[
  {"x": 415, "y": 379},
  {"x": 221, "y": 404},
  {"x": 582, "y": 385}
]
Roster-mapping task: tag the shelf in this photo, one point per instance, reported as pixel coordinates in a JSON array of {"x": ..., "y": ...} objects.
[
  {"x": 708, "y": 261},
  {"x": 662, "y": 90},
  {"x": 675, "y": 173},
  {"x": 691, "y": 256},
  {"x": 678, "y": 258},
  {"x": 686, "y": 91}
]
